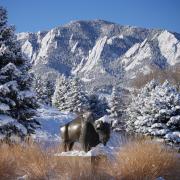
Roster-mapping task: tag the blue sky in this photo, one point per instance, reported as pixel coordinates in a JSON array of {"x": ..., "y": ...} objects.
[{"x": 35, "y": 15}]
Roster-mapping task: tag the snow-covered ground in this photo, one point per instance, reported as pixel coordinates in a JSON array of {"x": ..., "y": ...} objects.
[
  {"x": 51, "y": 120},
  {"x": 113, "y": 145},
  {"x": 98, "y": 150}
]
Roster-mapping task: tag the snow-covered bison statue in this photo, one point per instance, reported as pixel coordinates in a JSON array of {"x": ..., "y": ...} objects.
[{"x": 85, "y": 130}]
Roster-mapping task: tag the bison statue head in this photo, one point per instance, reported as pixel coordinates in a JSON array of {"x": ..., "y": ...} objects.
[{"x": 103, "y": 129}]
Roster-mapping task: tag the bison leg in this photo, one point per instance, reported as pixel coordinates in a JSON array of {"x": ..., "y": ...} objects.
[
  {"x": 85, "y": 147},
  {"x": 88, "y": 148},
  {"x": 65, "y": 146},
  {"x": 71, "y": 146}
]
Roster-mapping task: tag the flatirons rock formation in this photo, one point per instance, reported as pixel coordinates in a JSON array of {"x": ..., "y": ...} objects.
[{"x": 97, "y": 50}]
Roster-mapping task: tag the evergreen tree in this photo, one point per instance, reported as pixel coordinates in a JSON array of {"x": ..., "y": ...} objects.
[
  {"x": 44, "y": 89},
  {"x": 70, "y": 96},
  {"x": 116, "y": 109},
  {"x": 156, "y": 111},
  {"x": 38, "y": 86},
  {"x": 77, "y": 99},
  {"x": 98, "y": 106},
  {"x": 59, "y": 97},
  {"x": 49, "y": 92},
  {"x": 17, "y": 101}
]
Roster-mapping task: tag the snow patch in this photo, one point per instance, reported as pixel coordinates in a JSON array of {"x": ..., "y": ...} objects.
[
  {"x": 98, "y": 150},
  {"x": 86, "y": 79},
  {"x": 5, "y": 119},
  {"x": 170, "y": 50},
  {"x": 51, "y": 119},
  {"x": 74, "y": 47},
  {"x": 27, "y": 49},
  {"x": 4, "y": 107},
  {"x": 132, "y": 50}
]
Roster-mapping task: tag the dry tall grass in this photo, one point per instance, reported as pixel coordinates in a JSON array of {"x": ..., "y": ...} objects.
[
  {"x": 146, "y": 160},
  {"x": 39, "y": 164},
  {"x": 19, "y": 160},
  {"x": 135, "y": 161},
  {"x": 8, "y": 168}
]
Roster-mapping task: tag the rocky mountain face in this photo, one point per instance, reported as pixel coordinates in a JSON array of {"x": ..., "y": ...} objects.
[{"x": 99, "y": 51}]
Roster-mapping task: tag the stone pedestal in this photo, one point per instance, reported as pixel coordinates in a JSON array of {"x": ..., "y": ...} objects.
[{"x": 85, "y": 162}]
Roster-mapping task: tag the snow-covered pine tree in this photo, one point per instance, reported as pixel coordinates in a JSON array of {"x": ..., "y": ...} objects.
[
  {"x": 77, "y": 99},
  {"x": 69, "y": 95},
  {"x": 17, "y": 101},
  {"x": 49, "y": 92},
  {"x": 44, "y": 90},
  {"x": 38, "y": 86},
  {"x": 98, "y": 106},
  {"x": 116, "y": 109},
  {"x": 59, "y": 98},
  {"x": 156, "y": 111}
]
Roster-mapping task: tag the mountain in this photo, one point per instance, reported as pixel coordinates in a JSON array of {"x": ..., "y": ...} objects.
[{"x": 99, "y": 51}]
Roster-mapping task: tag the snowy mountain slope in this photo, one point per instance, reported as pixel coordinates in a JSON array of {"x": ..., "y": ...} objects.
[
  {"x": 95, "y": 49},
  {"x": 169, "y": 46}
]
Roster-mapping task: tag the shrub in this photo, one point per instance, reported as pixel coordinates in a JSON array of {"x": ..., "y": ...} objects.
[
  {"x": 137, "y": 159},
  {"x": 156, "y": 111},
  {"x": 146, "y": 160}
]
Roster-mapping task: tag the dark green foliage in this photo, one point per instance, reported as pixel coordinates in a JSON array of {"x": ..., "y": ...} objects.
[{"x": 17, "y": 101}]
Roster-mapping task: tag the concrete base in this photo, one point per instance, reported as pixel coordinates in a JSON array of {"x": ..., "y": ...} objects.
[{"x": 85, "y": 162}]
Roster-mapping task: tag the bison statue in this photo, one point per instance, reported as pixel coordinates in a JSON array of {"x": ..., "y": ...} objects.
[{"x": 85, "y": 130}]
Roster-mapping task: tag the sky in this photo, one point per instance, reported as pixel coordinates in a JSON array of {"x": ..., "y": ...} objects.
[{"x": 38, "y": 15}]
